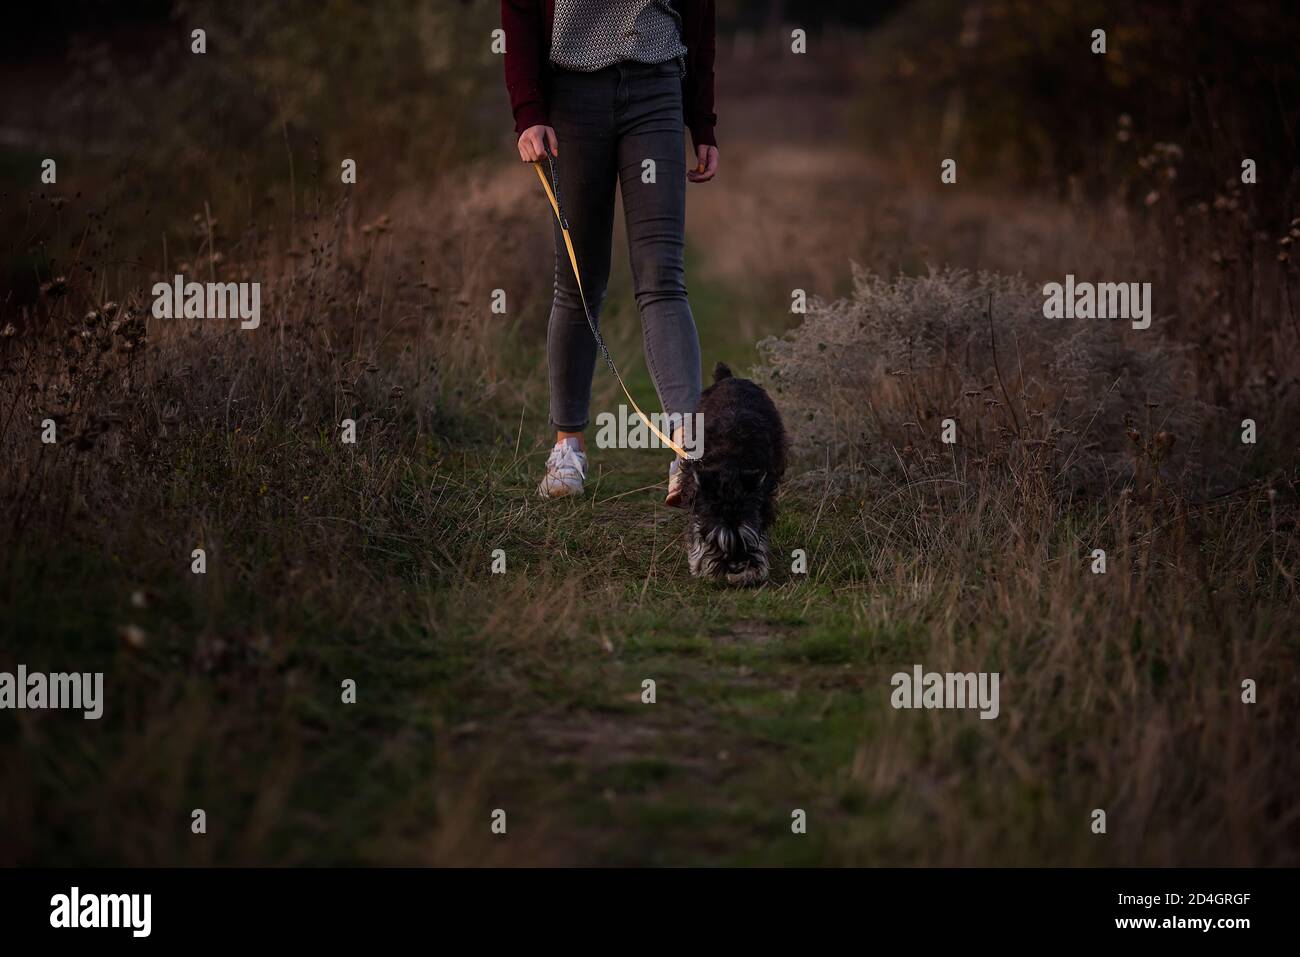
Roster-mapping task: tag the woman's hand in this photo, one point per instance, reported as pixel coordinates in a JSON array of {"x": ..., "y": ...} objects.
[
  {"x": 532, "y": 143},
  {"x": 708, "y": 168}
]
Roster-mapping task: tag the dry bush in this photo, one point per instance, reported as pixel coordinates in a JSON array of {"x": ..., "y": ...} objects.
[
  {"x": 230, "y": 436},
  {"x": 866, "y": 381}
]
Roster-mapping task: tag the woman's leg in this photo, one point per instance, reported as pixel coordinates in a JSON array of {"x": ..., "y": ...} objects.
[
  {"x": 581, "y": 111},
  {"x": 649, "y": 117}
]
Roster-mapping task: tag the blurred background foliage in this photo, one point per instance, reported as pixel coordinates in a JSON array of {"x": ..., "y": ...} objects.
[
  {"x": 256, "y": 128},
  {"x": 1003, "y": 85},
  {"x": 410, "y": 90}
]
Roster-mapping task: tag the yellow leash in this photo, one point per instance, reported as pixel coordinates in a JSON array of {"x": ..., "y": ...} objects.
[{"x": 553, "y": 196}]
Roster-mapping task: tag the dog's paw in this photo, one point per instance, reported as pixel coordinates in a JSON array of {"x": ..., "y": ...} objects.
[{"x": 749, "y": 578}]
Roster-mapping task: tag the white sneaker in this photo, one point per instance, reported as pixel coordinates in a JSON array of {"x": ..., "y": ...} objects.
[
  {"x": 566, "y": 468},
  {"x": 674, "y": 499}
]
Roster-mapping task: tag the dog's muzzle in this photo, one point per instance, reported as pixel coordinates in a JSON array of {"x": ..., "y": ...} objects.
[{"x": 738, "y": 554}]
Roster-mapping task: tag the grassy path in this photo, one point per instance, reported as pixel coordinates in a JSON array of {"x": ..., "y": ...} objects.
[{"x": 755, "y": 692}]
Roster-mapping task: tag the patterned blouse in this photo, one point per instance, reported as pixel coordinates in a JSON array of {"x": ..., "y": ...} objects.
[{"x": 590, "y": 35}]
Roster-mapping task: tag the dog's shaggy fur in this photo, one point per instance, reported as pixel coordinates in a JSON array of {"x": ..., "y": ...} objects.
[{"x": 731, "y": 490}]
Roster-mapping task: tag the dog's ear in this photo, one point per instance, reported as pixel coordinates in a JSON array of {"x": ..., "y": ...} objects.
[{"x": 721, "y": 371}]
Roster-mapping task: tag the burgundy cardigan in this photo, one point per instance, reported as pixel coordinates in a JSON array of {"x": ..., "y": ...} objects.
[{"x": 527, "y": 25}]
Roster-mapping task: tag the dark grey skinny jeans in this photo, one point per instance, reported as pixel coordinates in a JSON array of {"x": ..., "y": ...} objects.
[{"x": 608, "y": 123}]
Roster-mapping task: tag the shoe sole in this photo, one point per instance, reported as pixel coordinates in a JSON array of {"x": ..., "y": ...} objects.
[{"x": 559, "y": 493}]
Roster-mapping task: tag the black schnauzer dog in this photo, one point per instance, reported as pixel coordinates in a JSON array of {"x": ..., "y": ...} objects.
[{"x": 731, "y": 489}]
